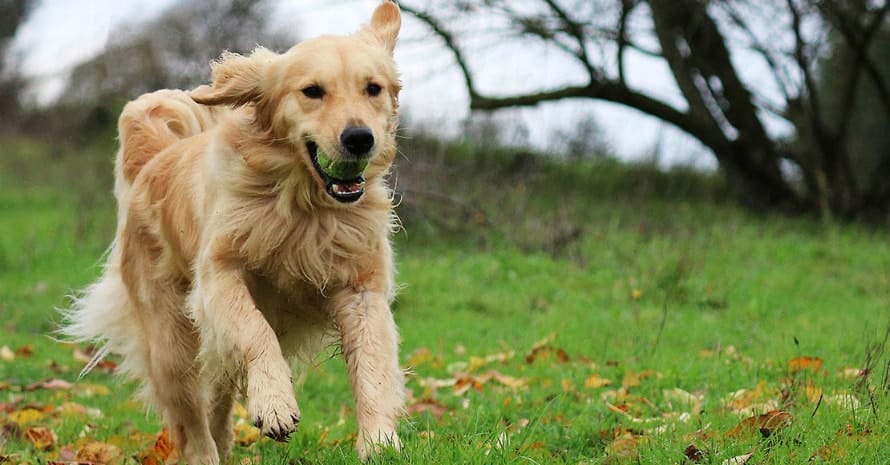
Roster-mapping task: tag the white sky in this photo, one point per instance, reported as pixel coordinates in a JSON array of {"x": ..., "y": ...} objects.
[{"x": 62, "y": 33}]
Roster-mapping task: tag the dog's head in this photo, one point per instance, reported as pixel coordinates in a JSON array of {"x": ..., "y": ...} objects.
[{"x": 333, "y": 100}]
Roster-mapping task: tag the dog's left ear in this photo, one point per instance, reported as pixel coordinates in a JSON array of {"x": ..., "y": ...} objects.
[
  {"x": 237, "y": 79},
  {"x": 385, "y": 25}
]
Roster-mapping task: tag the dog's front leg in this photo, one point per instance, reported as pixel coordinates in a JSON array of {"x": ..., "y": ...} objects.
[
  {"x": 234, "y": 330},
  {"x": 370, "y": 345}
]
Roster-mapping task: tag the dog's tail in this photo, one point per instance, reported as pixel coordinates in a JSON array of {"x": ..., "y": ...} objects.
[
  {"x": 150, "y": 124},
  {"x": 104, "y": 315}
]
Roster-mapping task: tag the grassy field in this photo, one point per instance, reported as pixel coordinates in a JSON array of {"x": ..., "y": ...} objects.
[{"x": 603, "y": 315}]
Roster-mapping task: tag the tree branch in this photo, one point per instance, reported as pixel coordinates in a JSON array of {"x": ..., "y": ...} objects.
[
  {"x": 616, "y": 92},
  {"x": 577, "y": 32},
  {"x": 448, "y": 38},
  {"x": 627, "y": 7}
]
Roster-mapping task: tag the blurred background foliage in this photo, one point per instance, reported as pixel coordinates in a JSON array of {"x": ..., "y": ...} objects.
[{"x": 490, "y": 176}]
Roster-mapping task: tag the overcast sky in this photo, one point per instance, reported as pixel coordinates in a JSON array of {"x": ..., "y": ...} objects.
[{"x": 62, "y": 33}]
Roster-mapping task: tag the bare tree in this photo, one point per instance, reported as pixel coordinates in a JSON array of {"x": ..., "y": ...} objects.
[{"x": 696, "y": 39}]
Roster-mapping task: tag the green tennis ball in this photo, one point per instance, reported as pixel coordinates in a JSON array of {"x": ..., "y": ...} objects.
[{"x": 340, "y": 169}]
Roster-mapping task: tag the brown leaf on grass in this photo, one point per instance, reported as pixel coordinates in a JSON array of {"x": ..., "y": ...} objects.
[
  {"x": 26, "y": 416},
  {"x": 100, "y": 453},
  {"x": 765, "y": 424},
  {"x": 41, "y": 438},
  {"x": 424, "y": 356},
  {"x": 798, "y": 364},
  {"x": 812, "y": 392},
  {"x": 749, "y": 401},
  {"x": 464, "y": 382},
  {"x": 634, "y": 379},
  {"x": 52, "y": 384},
  {"x": 678, "y": 398},
  {"x": 246, "y": 434},
  {"x": 544, "y": 353},
  {"x": 624, "y": 444},
  {"x": 6, "y": 354},
  {"x": 435, "y": 408},
  {"x": 164, "y": 444},
  {"x": 91, "y": 390},
  {"x": 542, "y": 350},
  {"x": 86, "y": 355},
  {"x": 596, "y": 381},
  {"x": 25, "y": 351},
  {"x": 739, "y": 459},
  {"x": 693, "y": 453},
  {"x": 855, "y": 373},
  {"x": 159, "y": 453},
  {"x": 827, "y": 453}
]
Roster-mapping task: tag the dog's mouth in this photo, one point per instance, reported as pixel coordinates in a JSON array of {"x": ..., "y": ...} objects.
[{"x": 344, "y": 180}]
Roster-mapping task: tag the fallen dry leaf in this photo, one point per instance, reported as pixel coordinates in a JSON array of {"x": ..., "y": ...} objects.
[
  {"x": 624, "y": 445},
  {"x": 41, "y": 438},
  {"x": 685, "y": 400},
  {"x": 26, "y": 416},
  {"x": 25, "y": 351},
  {"x": 765, "y": 424},
  {"x": 751, "y": 401},
  {"x": 246, "y": 434},
  {"x": 738, "y": 460},
  {"x": 164, "y": 445},
  {"x": 100, "y": 453},
  {"x": 693, "y": 453},
  {"x": 90, "y": 390},
  {"x": 435, "y": 408},
  {"x": 634, "y": 379},
  {"x": 543, "y": 353},
  {"x": 596, "y": 381},
  {"x": 6, "y": 354},
  {"x": 52, "y": 384},
  {"x": 159, "y": 453},
  {"x": 844, "y": 400},
  {"x": 854, "y": 373},
  {"x": 798, "y": 364},
  {"x": 424, "y": 356}
]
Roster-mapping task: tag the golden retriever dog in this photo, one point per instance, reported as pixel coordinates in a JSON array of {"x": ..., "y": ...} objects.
[{"x": 254, "y": 225}]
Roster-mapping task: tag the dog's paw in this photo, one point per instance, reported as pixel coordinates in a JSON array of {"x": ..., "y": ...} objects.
[
  {"x": 369, "y": 444},
  {"x": 276, "y": 416}
]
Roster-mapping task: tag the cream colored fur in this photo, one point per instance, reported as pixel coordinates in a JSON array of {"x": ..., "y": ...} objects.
[{"x": 230, "y": 257}]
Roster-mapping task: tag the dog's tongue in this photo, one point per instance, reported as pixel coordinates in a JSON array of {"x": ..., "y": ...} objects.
[{"x": 348, "y": 187}]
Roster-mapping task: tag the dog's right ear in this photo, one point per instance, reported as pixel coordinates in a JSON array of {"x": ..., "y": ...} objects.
[{"x": 237, "y": 79}]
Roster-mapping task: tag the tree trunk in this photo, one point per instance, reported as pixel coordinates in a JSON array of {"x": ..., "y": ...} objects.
[{"x": 700, "y": 61}]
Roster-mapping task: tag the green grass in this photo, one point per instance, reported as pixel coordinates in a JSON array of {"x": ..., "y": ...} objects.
[{"x": 651, "y": 288}]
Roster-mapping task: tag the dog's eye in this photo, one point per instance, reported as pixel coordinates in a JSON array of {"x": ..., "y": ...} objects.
[
  {"x": 373, "y": 89},
  {"x": 314, "y": 91}
]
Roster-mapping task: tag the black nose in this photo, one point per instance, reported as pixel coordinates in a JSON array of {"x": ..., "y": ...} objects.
[{"x": 357, "y": 140}]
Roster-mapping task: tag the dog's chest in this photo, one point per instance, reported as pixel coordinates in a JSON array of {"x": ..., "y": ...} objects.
[{"x": 313, "y": 258}]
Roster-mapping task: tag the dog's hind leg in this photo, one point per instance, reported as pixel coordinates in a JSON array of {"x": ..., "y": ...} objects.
[
  {"x": 174, "y": 384},
  {"x": 222, "y": 399}
]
